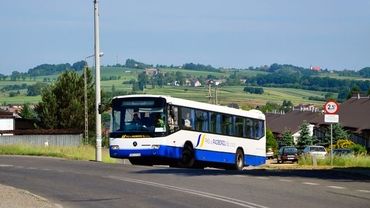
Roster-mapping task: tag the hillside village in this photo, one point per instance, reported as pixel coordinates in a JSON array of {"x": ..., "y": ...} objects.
[{"x": 354, "y": 112}]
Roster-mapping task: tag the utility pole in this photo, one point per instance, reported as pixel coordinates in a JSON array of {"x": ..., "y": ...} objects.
[
  {"x": 86, "y": 108},
  {"x": 97, "y": 82},
  {"x": 209, "y": 91}
]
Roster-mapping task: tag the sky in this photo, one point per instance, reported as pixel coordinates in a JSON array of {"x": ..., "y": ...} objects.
[{"x": 332, "y": 34}]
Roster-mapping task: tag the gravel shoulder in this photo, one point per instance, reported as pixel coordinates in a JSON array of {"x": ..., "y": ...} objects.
[{"x": 11, "y": 197}]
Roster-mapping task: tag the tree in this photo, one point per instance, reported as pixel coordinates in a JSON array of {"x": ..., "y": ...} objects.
[
  {"x": 142, "y": 79},
  {"x": 62, "y": 105},
  {"x": 27, "y": 112},
  {"x": 287, "y": 139},
  {"x": 287, "y": 106},
  {"x": 270, "y": 107},
  {"x": 365, "y": 72},
  {"x": 271, "y": 141},
  {"x": 338, "y": 134},
  {"x": 34, "y": 90},
  {"x": 305, "y": 138}
]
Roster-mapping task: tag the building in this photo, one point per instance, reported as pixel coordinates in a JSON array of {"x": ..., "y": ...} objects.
[
  {"x": 291, "y": 121},
  {"x": 7, "y": 122},
  {"x": 354, "y": 117},
  {"x": 151, "y": 71}
]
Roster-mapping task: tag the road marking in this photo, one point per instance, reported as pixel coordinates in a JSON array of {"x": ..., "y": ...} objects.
[
  {"x": 310, "y": 183},
  {"x": 261, "y": 177},
  {"x": 191, "y": 191},
  {"x": 5, "y": 165},
  {"x": 285, "y": 180},
  {"x": 363, "y": 191},
  {"x": 336, "y": 187}
]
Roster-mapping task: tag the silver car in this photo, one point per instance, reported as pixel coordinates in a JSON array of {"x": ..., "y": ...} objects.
[{"x": 315, "y": 151}]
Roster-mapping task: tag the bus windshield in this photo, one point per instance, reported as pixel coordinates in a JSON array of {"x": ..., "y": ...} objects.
[{"x": 138, "y": 115}]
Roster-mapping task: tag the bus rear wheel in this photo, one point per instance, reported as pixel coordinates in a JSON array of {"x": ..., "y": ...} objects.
[{"x": 239, "y": 159}]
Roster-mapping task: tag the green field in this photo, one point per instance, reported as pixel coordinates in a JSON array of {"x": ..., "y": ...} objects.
[{"x": 115, "y": 76}]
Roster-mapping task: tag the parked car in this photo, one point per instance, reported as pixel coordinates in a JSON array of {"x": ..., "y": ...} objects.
[
  {"x": 287, "y": 153},
  {"x": 318, "y": 151},
  {"x": 269, "y": 153},
  {"x": 343, "y": 152}
]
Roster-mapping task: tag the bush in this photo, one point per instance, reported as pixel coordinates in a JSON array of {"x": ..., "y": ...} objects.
[
  {"x": 254, "y": 90},
  {"x": 358, "y": 149}
]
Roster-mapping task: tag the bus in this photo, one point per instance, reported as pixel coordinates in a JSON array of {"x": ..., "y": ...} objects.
[{"x": 156, "y": 129}]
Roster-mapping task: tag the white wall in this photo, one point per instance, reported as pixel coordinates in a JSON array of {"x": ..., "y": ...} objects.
[{"x": 6, "y": 124}]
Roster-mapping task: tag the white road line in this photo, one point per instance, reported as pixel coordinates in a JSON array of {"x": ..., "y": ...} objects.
[
  {"x": 336, "y": 187},
  {"x": 310, "y": 183},
  {"x": 5, "y": 165},
  {"x": 192, "y": 191},
  {"x": 285, "y": 180},
  {"x": 261, "y": 177},
  {"x": 363, "y": 191}
]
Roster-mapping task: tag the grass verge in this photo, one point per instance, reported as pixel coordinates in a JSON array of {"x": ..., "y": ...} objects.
[
  {"x": 342, "y": 161},
  {"x": 84, "y": 152}
]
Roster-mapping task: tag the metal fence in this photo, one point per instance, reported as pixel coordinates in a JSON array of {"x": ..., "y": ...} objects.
[{"x": 43, "y": 140}]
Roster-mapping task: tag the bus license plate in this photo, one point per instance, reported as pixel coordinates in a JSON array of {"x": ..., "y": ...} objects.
[{"x": 134, "y": 155}]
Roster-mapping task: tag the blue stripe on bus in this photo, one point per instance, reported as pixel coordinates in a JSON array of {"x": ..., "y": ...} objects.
[{"x": 200, "y": 155}]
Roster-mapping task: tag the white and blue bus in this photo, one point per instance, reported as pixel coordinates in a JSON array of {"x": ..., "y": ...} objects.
[{"x": 154, "y": 129}]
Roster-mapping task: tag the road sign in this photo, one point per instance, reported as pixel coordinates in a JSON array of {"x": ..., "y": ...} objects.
[
  {"x": 331, "y": 107},
  {"x": 331, "y": 118}
]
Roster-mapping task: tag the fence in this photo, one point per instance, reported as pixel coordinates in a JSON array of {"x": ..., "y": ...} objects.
[{"x": 43, "y": 140}]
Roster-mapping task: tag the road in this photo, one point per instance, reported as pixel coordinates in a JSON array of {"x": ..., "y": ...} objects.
[{"x": 90, "y": 184}]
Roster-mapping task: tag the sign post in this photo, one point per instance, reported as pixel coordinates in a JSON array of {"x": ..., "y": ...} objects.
[{"x": 331, "y": 108}]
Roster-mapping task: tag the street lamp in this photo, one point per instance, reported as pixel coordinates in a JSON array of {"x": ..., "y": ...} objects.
[{"x": 86, "y": 99}]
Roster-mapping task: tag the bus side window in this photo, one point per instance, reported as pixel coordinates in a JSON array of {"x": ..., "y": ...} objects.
[
  {"x": 186, "y": 118},
  {"x": 249, "y": 128},
  {"x": 173, "y": 118}
]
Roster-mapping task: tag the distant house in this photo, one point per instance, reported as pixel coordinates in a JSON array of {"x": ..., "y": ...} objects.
[
  {"x": 354, "y": 116},
  {"x": 7, "y": 122},
  {"x": 291, "y": 121},
  {"x": 196, "y": 83},
  {"x": 306, "y": 107},
  {"x": 151, "y": 71},
  {"x": 315, "y": 68}
]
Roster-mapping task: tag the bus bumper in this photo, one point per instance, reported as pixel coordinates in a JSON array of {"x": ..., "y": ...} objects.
[{"x": 153, "y": 151}]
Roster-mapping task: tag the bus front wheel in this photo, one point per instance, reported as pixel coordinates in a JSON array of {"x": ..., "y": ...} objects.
[
  {"x": 239, "y": 160},
  {"x": 187, "y": 157}
]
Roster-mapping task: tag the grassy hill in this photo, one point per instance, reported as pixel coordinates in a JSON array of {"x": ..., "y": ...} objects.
[{"x": 116, "y": 76}]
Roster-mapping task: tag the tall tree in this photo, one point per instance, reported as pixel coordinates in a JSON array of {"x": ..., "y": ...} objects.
[
  {"x": 271, "y": 141},
  {"x": 62, "y": 105},
  {"x": 27, "y": 112},
  {"x": 287, "y": 106},
  {"x": 287, "y": 139},
  {"x": 142, "y": 79},
  {"x": 305, "y": 138}
]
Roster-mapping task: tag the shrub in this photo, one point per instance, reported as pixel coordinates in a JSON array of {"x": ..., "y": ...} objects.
[{"x": 358, "y": 149}]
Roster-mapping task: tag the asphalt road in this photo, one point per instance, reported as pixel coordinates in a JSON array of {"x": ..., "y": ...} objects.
[{"x": 90, "y": 184}]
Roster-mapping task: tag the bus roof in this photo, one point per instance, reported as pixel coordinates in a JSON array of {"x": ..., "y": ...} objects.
[{"x": 202, "y": 106}]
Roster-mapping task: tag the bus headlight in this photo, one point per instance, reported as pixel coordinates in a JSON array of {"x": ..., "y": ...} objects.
[
  {"x": 114, "y": 147},
  {"x": 155, "y": 146}
]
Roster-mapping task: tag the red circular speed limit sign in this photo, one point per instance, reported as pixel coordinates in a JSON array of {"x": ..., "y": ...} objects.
[{"x": 331, "y": 107}]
